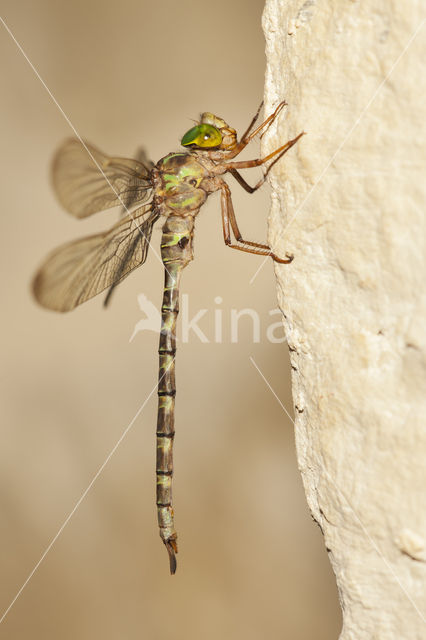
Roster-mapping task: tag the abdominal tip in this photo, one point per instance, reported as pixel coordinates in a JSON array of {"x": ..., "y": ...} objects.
[{"x": 172, "y": 556}]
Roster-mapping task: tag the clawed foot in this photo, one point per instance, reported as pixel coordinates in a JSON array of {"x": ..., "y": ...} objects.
[{"x": 289, "y": 258}]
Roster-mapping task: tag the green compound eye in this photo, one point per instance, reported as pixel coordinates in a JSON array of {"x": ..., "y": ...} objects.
[{"x": 204, "y": 136}]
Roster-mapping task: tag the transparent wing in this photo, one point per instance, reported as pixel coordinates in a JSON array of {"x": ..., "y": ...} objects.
[
  {"x": 79, "y": 270},
  {"x": 86, "y": 180},
  {"x": 142, "y": 157}
]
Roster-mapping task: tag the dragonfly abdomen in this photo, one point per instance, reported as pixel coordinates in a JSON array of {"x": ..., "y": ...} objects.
[{"x": 176, "y": 253}]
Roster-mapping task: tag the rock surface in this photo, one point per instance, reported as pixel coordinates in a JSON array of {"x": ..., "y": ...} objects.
[{"x": 349, "y": 202}]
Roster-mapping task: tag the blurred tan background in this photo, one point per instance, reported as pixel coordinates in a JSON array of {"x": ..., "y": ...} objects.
[{"x": 251, "y": 561}]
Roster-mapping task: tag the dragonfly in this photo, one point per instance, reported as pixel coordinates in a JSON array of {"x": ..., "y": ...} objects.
[{"x": 87, "y": 181}]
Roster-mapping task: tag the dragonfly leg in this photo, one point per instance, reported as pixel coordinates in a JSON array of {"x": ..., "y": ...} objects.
[
  {"x": 247, "y": 137},
  {"x": 252, "y": 123},
  {"x": 245, "y": 185},
  {"x": 277, "y": 155},
  {"x": 229, "y": 222},
  {"x": 239, "y": 178}
]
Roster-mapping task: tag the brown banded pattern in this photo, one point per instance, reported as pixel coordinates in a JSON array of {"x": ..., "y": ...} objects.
[{"x": 176, "y": 253}]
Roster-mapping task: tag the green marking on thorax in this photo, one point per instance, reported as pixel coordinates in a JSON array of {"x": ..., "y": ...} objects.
[
  {"x": 173, "y": 155},
  {"x": 183, "y": 203},
  {"x": 191, "y": 169},
  {"x": 170, "y": 180},
  {"x": 174, "y": 239}
]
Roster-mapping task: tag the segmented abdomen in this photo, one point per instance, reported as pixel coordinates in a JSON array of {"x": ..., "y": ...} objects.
[{"x": 176, "y": 253}]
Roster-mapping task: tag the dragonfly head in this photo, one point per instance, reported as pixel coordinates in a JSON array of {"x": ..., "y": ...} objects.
[{"x": 211, "y": 133}]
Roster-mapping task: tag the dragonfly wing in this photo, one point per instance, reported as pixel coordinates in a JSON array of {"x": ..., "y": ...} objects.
[
  {"x": 86, "y": 180},
  {"x": 81, "y": 269},
  {"x": 142, "y": 157}
]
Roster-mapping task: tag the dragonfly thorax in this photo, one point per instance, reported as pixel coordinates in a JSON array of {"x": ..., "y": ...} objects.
[{"x": 178, "y": 184}]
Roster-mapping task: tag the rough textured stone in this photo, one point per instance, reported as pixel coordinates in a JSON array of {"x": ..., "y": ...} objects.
[{"x": 349, "y": 203}]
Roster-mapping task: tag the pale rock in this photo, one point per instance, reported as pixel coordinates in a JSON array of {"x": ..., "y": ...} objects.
[{"x": 349, "y": 202}]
